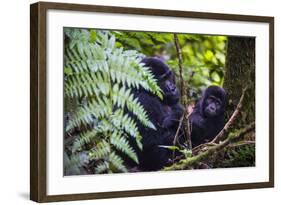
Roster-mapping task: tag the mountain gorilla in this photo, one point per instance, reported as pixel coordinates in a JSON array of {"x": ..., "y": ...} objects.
[
  {"x": 207, "y": 118},
  {"x": 164, "y": 114}
]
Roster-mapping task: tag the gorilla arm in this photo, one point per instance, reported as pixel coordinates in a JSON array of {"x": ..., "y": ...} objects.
[
  {"x": 162, "y": 116},
  {"x": 172, "y": 115},
  {"x": 152, "y": 106}
]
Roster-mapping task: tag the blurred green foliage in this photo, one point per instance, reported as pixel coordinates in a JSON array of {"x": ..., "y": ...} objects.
[{"x": 203, "y": 55}]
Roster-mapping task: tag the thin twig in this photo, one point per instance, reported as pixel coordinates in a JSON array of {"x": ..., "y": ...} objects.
[
  {"x": 177, "y": 136},
  {"x": 183, "y": 91},
  {"x": 177, "y": 132},
  {"x": 178, "y": 129},
  {"x": 242, "y": 144},
  {"x": 179, "y": 53},
  {"x": 190, "y": 77},
  {"x": 200, "y": 147}
]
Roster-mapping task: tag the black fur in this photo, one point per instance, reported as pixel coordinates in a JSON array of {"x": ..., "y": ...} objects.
[
  {"x": 207, "y": 118},
  {"x": 164, "y": 114}
]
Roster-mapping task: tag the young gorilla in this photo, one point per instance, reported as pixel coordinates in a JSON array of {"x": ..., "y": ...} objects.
[
  {"x": 207, "y": 118},
  {"x": 164, "y": 114}
]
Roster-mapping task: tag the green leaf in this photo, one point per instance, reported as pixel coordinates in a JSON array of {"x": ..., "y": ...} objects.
[{"x": 173, "y": 148}]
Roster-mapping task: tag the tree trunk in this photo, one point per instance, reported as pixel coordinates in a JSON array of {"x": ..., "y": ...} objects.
[{"x": 240, "y": 73}]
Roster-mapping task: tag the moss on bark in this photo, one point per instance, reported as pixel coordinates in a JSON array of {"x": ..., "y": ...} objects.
[{"x": 240, "y": 73}]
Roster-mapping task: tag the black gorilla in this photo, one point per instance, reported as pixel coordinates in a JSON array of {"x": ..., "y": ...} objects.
[
  {"x": 207, "y": 118},
  {"x": 164, "y": 114}
]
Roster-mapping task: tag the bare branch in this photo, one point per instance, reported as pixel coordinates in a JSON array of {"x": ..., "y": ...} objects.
[
  {"x": 179, "y": 53},
  {"x": 178, "y": 130},
  {"x": 183, "y": 91},
  {"x": 242, "y": 144}
]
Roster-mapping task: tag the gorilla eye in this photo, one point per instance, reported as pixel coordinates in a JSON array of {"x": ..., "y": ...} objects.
[
  {"x": 209, "y": 100},
  {"x": 166, "y": 75}
]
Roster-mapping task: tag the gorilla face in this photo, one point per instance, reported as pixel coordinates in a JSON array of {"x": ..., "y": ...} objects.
[
  {"x": 213, "y": 106},
  {"x": 171, "y": 92},
  {"x": 165, "y": 79},
  {"x": 213, "y": 102}
]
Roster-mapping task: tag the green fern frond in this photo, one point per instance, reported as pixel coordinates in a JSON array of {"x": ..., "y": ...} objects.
[
  {"x": 83, "y": 139},
  {"x": 87, "y": 84},
  {"x": 122, "y": 144},
  {"x": 73, "y": 165},
  {"x": 86, "y": 114},
  {"x": 101, "y": 150},
  {"x": 100, "y": 78},
  {"x": 125, "y": 122},
  {"x": 117, "y": 162},
  {"x": 102, "y": 167},
  {"x": 150, "y": 82},
  {"x": 123, "y": 96}
]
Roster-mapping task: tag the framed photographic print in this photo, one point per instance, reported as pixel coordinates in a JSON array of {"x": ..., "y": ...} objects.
[{"x": 134, "y": 102}]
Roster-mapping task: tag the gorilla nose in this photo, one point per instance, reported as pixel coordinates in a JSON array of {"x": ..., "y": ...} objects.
[
  {"x": 212, "y": 108},
  {"x": 172, "y": 88}
]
